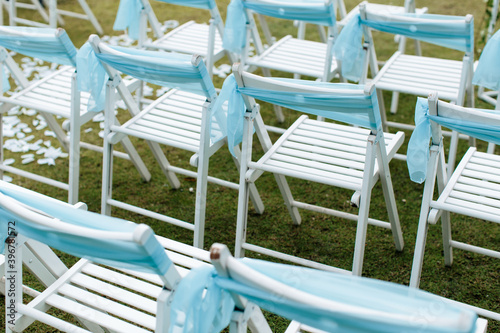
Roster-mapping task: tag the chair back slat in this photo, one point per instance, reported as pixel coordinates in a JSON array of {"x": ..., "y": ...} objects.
[
  {"x": 52, "y": 45},
  {"x": 456, "y": 32},
  {"x": 99, "y": 61},
  {"x": 202, "y": 4},
  {"x": 349, "y": 103},
  {"x": 318, "y": 11}
]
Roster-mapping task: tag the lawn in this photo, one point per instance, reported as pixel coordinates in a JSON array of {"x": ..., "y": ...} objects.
[{"x": 472, "y": 279}]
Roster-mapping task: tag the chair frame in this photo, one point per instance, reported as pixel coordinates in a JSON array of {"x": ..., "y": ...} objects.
[
  {"x": 458, "y": 96},
  {"x": 432, "y": 210},
  {"x": 123, "y": 288},
  {"x": 227, "y": 266},
  {"x": 211, "y": 52},
  {"x": 375, "y": 155},
  {"x": 70, "y": 104},
  {"x": 114, "y": 133}
]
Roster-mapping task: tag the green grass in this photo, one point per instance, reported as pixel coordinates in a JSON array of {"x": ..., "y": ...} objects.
[{"x": 472, "y": 279}]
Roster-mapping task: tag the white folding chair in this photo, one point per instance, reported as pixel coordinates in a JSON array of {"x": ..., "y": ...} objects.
[
  {"x": 180, "y": 118},
  {"x": 338, "y": 155},
  {"x": 125, "y": 281},
  {"x": 190, "y": 38},
  {"x": 419, "y": 75},
  {"x": 52, "y": 16},
  {"x": 318, "y": 301},
  {"x": 53, "y": 96},
  {"x": 471, "y": 190},
  {"x": 292, "y": 55}
]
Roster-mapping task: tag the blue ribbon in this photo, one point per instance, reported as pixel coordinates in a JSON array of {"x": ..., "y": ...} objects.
[
  {"x": 418, "y": 146},
  {"x": 487, "y": 73}
]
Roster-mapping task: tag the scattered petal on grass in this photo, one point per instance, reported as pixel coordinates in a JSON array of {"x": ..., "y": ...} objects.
[
  {"x": 98, "y": 117},
  {"x": 88, "y": 130},
  {"x": 29, "y": 112},
  {"x": 49, "y": 133},
  {"x": 48, "y": 161},
  {"x": 28, "y": 160},
  {"x": 7, "y": 179},
  {"x": 9, "y": 161}
]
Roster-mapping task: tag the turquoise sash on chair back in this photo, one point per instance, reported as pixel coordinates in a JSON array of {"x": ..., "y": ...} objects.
[{"x": 52, "y": 45}]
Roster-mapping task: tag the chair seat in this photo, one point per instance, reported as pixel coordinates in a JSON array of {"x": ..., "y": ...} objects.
[
  {"x": 323, "y": 152},
  {"x": 173, "y": 119},
  {"x": 474, "y": 187},
  {"x": 294, "y": 55},
  {"x": 51, "y": 94},
  {"x": 105, "y": 296},
  {"x": 190, "y": 38},
  {"x": 421, "y": 75}
]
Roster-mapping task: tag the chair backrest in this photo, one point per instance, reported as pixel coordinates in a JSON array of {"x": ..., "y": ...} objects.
[
  {"x": 349, "y": 103},
  {"x": 430, "y": 114},
  {"x": 84, "y": 234},
  {"x": 321, "y": 12},
  {"x": 324, "y": 300},
  {"x": 455, "y": 32},
  {"x": 101, "y": 61},
  {"x": 48, "y": 44}
]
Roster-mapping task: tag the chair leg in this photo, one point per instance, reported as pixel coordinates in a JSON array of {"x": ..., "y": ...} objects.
[
  {"x": 390, "y": 200},
  {"x": 254, "y": 193},
  {"x": 241, "y": 219},
  {"x": 136, "y": 159},
  {"x": 107, "y": 174},
  {"x": 364, "y": 207},
  {"x": 74, "y": 143},
  {"x": 394, "y": 102},
  {"x": 418, "y": 256},
  {"x": 164, "y": 164},
  {"x": 58, "y": 131},
  {"x": 434, "y": 168},
  {"x": 446, "y": 231}
]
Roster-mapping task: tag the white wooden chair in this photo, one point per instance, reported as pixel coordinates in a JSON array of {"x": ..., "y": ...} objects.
[
  {"x": 419, "y": 75},
  {"x": 53, "y": 16},
  {"x": 190, "y": 38},
  {"x": 180, "y": 118},
  {"x": 125, "y": 281},
  {"x": 471, "y": 190},
  {"x": 318, "y": 301},
  {"x": 52, "y": 45},
  {"x": 292, "y": 55},
  {"x": 338, "y": 155}
]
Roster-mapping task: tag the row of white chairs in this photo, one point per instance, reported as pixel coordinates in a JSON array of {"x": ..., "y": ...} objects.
[
  {"x": 130, "y": 280},
  {"x": 138, "y": 126}
]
